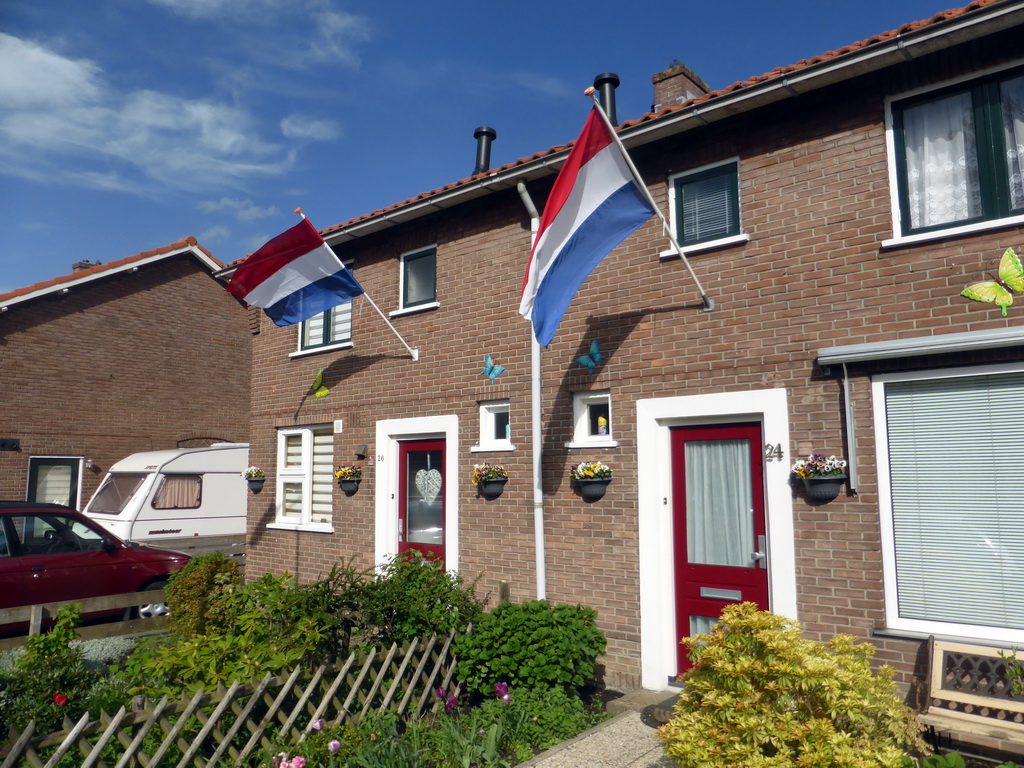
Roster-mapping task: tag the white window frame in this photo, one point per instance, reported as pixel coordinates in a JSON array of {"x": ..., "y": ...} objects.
[
  {"x": 487, "y": 441},
  {"x": 707, "y": 245},
  {"x": 581, "y": 403},
  {"x": 402, "y": 260},
  {"x": 303, "y": 475},
  {"x": 920, "y": 627},
  {"x": 898, "y": 239},
  {"x": 302, "y": 351}
]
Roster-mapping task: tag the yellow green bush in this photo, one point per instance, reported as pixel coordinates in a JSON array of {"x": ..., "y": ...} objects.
[{"x": 760, "y": 695}]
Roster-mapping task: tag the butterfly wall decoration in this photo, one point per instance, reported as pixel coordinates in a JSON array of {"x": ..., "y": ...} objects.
[
  {"x": 591, "y": 359},
  {"x": 317, "y": 387},
  {"x": 491, "y": 369},
  {"x": 1009, "y": 280}
]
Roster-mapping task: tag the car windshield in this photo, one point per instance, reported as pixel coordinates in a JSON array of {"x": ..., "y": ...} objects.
[{"x": 115, "y": 492}]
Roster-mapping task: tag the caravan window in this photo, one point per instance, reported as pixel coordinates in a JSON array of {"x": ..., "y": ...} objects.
[
  {"x": 115, "y": 493},
  {"x": 179, "y": 492}
]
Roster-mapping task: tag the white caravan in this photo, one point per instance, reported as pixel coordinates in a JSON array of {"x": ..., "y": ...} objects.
[{"x": 189, "y": 499}]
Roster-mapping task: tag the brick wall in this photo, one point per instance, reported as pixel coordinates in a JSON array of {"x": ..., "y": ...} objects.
[
  {"x": 126, "y": 363},
  {"x": 814, "y": 190}
]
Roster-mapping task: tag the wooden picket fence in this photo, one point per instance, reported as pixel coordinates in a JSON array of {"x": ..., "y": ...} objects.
[{"x": 234, "y": 726}]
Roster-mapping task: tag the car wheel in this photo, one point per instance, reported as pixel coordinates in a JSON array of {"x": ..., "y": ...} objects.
[{"x": 150, "y": 610}]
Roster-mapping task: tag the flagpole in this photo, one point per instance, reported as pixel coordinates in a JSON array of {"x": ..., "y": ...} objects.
[
  {"x": 414, "y": 353},
  {"x": 709, "y": 303}
]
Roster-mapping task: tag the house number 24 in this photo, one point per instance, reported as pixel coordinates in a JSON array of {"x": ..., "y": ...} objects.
[{"x": 773, "y": 452}]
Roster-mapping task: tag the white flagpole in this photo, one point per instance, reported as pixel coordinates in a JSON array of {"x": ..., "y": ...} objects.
[
  {"x": 414, "y": 353},
  {"x": 709, "y": 303}
]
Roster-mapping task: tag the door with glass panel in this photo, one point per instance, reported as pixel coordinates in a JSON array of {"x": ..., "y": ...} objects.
[
  {"x": 421, "y": 497},
  {"x": 718, "y": 524},
  {"x": 53, "y": 480}
]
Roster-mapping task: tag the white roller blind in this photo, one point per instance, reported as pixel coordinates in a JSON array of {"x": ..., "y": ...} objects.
[
  {"x": 323, "y": 477},
  {"x": 956, "y": 456},
  {"x": 708, "y": 206}
]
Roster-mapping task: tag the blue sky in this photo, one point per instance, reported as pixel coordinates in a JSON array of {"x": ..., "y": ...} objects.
[{"x": 126, "y": 125}]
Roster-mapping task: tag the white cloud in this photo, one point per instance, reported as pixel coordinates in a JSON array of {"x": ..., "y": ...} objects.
[
  {"x": 214, "y": 234},
  {"x": 61, "y": 122},
  {"x": 549, "y": 86},
  {"x": 243, "y": 210},
  {"x": 299, "y": 126}
]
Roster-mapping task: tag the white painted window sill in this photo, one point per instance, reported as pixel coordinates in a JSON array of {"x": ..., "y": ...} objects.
[
  {"x": 594, "y": 444},
  {"x": 325, "y": 348},
  {"x": 494, "y": 447},
  {"x": 309, "y": 528},
  {"x": 942, "y": 234},
  {"x": 710, "y": 245},
  {"x": 414, "y": 310}
]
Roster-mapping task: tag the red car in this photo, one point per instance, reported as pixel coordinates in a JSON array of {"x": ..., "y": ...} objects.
[{"x": 50, "y": 552}]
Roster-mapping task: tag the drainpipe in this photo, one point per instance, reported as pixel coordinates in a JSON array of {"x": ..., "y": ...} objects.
[
  {"x": 535, "y": 423},
  {"x": 484, "y": 135}
]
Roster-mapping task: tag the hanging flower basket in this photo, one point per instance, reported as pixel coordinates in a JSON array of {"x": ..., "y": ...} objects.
[
  {"x": 824, "y": 488},
  {"x": 256, "y": 483},
  {"x": 350, "y": 486},
  {"x": 493, "y": 487},
  {"x": 593, "y": 489}
]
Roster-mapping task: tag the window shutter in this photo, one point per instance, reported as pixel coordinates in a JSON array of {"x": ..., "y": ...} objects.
[
  {"x": 321, "y": 505},
  {"x": 956, "y": 456}
]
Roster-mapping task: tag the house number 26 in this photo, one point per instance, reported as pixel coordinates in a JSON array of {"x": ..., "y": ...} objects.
[{"x": 773, "y": 452}]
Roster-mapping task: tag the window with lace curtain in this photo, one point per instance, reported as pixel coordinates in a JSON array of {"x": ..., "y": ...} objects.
[
  {"x": 305, "y": 478},
  {"x": 959, "y": 153}
]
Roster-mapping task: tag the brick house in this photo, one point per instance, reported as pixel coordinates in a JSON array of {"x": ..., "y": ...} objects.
[
  {"x": 138, "y": 354},
  {"x": 804, "y": 205}
]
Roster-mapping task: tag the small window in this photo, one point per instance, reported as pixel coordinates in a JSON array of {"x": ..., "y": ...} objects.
[
  {"x": 179, "y": 492},
  {"x": 706, "y": 204},
  {"x": 495, "y": 427},
  {"x": 419, "y": 278},
  {"x": 305, "y": 478},
  {"x": 331, "y": 327},
  {"x": 593, "y": 419},
  {"x": 117, "y": 490},
  {"x": 959, "y": 154}
]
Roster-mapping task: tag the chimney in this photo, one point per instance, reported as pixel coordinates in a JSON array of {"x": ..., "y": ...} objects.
[
  {"x": 78, "y": 266},
  {"x": 484, "y": 135},
  {"x": 676, "y": 85},
  {"x": 606, "y": 85}
]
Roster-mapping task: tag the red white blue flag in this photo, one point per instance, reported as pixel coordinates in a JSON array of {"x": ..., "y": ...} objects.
[
  {"x": 294, "y": 277},
  {"x": 596, "y": 203}
]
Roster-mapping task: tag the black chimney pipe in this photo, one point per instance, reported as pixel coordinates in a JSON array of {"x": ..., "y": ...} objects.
[
  {"x": 484, "y": 135},
  {"x": 606, "y": 85}
]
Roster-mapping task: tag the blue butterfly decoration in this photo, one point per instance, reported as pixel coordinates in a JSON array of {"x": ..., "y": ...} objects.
[
  {"x": 591, "y": 360},
  {"x": 491, "y": 370}
]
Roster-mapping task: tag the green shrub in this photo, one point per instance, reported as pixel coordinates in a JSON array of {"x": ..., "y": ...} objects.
[
  {"x": 49, "y": 680},
  {"x": 760, "y": 695},
  {"x": 198, "y": 595},
  {"x": 530, "y": 645},
  {"x": 414, "y": 596}
]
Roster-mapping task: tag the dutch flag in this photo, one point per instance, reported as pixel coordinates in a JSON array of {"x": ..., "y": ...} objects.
[
  {"x": 294, "y": 277},
  {"x": 595, "y": 204}
]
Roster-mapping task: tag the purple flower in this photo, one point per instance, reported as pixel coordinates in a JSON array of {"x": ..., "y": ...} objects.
[
  {"x": 501, "y": 689},
  {"x": 440, "y": 692},
  {"x": 451, "y": 703},
  {"x": 317, "y": 725},
  {"x": 333, "y": 746}
]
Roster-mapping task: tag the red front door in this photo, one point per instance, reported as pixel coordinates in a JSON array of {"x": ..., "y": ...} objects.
[
  {"x": 421, "y": 497},
  {"x": 718, "y": 523}
]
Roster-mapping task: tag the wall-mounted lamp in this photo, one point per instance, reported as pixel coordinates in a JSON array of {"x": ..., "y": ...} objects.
[
  {"x": 361, "y": 451},
  {"x": 88, "y": 463}
]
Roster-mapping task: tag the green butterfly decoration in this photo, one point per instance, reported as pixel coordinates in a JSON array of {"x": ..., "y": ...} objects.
[
  {"x": 998, "y": 291},
  {"x": 317, "y": 387}
]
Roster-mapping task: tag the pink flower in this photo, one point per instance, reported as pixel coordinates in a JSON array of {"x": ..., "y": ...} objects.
[
  {"x": 298, "y": 761},
  {"x": 333, "y": 746},
  {"x": 317, "y": 725}
]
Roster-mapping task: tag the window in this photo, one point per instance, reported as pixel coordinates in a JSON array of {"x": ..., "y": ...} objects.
[
  {"x": 305, "y": 478},
  {"x": 495, "y": 427},
  {"x": 593, "y": 419},
  {"x": 54, "y": 480},
  {"x": 331, "y": 327},
  {"x": 419, "y": 278},
  {"x": 179, "y": 492},
  {"x": 950, "y": 455},
  {"x": 117, "y": 490},
  {"x": 959, "y": 154},
  {"x": 706, "y": 204}
]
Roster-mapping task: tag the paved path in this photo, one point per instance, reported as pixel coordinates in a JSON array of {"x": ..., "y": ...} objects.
[{"x": 622, "y": 742}]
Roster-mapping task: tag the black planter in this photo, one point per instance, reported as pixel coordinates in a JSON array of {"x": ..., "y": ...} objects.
[
  {"x": 593, "y": 488},
  {"x": 492, "y": 489},
  {"x": 350, "y": 486},
  {"x": 824, "y": 488},
  {"x": 255, "y": 483}
]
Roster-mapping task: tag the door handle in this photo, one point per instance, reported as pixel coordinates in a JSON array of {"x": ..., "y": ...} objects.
[
  {"x": 36, "y": 568},
  {"x": 760, "y": 557}
]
